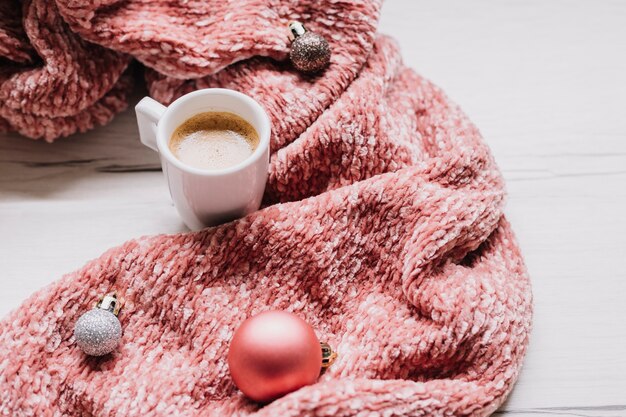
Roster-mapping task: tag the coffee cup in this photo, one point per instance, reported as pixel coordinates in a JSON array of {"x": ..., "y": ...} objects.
[{"x": 208, "y": 197}]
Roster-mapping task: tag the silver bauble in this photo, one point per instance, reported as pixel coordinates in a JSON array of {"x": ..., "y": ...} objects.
[
  {"x": 98, "y": 332},
  {"x": 310, "y": 52}
]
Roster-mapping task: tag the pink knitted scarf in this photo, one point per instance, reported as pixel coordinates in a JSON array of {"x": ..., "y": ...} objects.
[{"x": 382, "y": 226}]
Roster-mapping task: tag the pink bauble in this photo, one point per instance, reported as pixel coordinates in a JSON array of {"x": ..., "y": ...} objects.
[{"x": 273, "y": 354}]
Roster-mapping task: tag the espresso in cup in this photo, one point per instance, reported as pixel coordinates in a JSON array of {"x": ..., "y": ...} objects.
[
  {"x": 214, "y": 140},
  {"x": 210, "y": 195}
]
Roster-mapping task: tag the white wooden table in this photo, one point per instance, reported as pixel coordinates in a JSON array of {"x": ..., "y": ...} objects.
[{"x": 546, "y": 83}]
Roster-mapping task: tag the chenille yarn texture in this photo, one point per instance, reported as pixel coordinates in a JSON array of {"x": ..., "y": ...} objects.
[{"x": 382, "y": 227}]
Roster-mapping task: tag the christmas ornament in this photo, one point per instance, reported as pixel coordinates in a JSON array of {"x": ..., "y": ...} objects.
[
  {"x": 275, "y": 353},
  {"x": 98, "y": 332},
  {"x": 309, "y": 51}
]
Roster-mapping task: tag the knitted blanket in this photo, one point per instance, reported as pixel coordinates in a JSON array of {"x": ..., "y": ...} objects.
[{"x": 382, "y": 226}]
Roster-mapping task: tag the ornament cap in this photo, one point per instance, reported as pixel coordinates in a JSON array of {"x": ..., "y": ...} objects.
[
  {"x": 328, "y": 355},
  {"x": 296, "y": 29},
  {"x": 110, "y": 303}
]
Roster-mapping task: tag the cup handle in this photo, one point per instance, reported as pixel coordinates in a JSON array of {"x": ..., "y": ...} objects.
[{"x": 148, "y": 112}]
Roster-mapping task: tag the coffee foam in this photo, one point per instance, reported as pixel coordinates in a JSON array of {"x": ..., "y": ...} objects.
[{"x": 214, "y": 140}]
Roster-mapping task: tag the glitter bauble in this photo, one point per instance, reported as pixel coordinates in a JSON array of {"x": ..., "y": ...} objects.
[
  {"x": 273, "y": 354},
  {"x": 310, "y": 52},
  {"x": 98, "y": 332}
]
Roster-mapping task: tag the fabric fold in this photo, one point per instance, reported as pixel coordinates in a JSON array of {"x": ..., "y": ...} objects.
[
  {"x": 71, "y": 87},
  {"x": 192, "y": 39},
  {"x": 14, "y": 43}
]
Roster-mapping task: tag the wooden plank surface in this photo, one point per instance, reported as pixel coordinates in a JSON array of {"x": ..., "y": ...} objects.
[{"x": 544, "y": 80}]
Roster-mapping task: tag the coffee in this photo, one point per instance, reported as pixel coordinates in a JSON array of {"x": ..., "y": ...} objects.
[{"x": 214, "y": 140}]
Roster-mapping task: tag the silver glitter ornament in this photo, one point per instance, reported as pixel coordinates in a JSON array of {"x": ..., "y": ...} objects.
[
  {"x": 98, "y": 332},
  {"x": 309, "y": 51}
]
